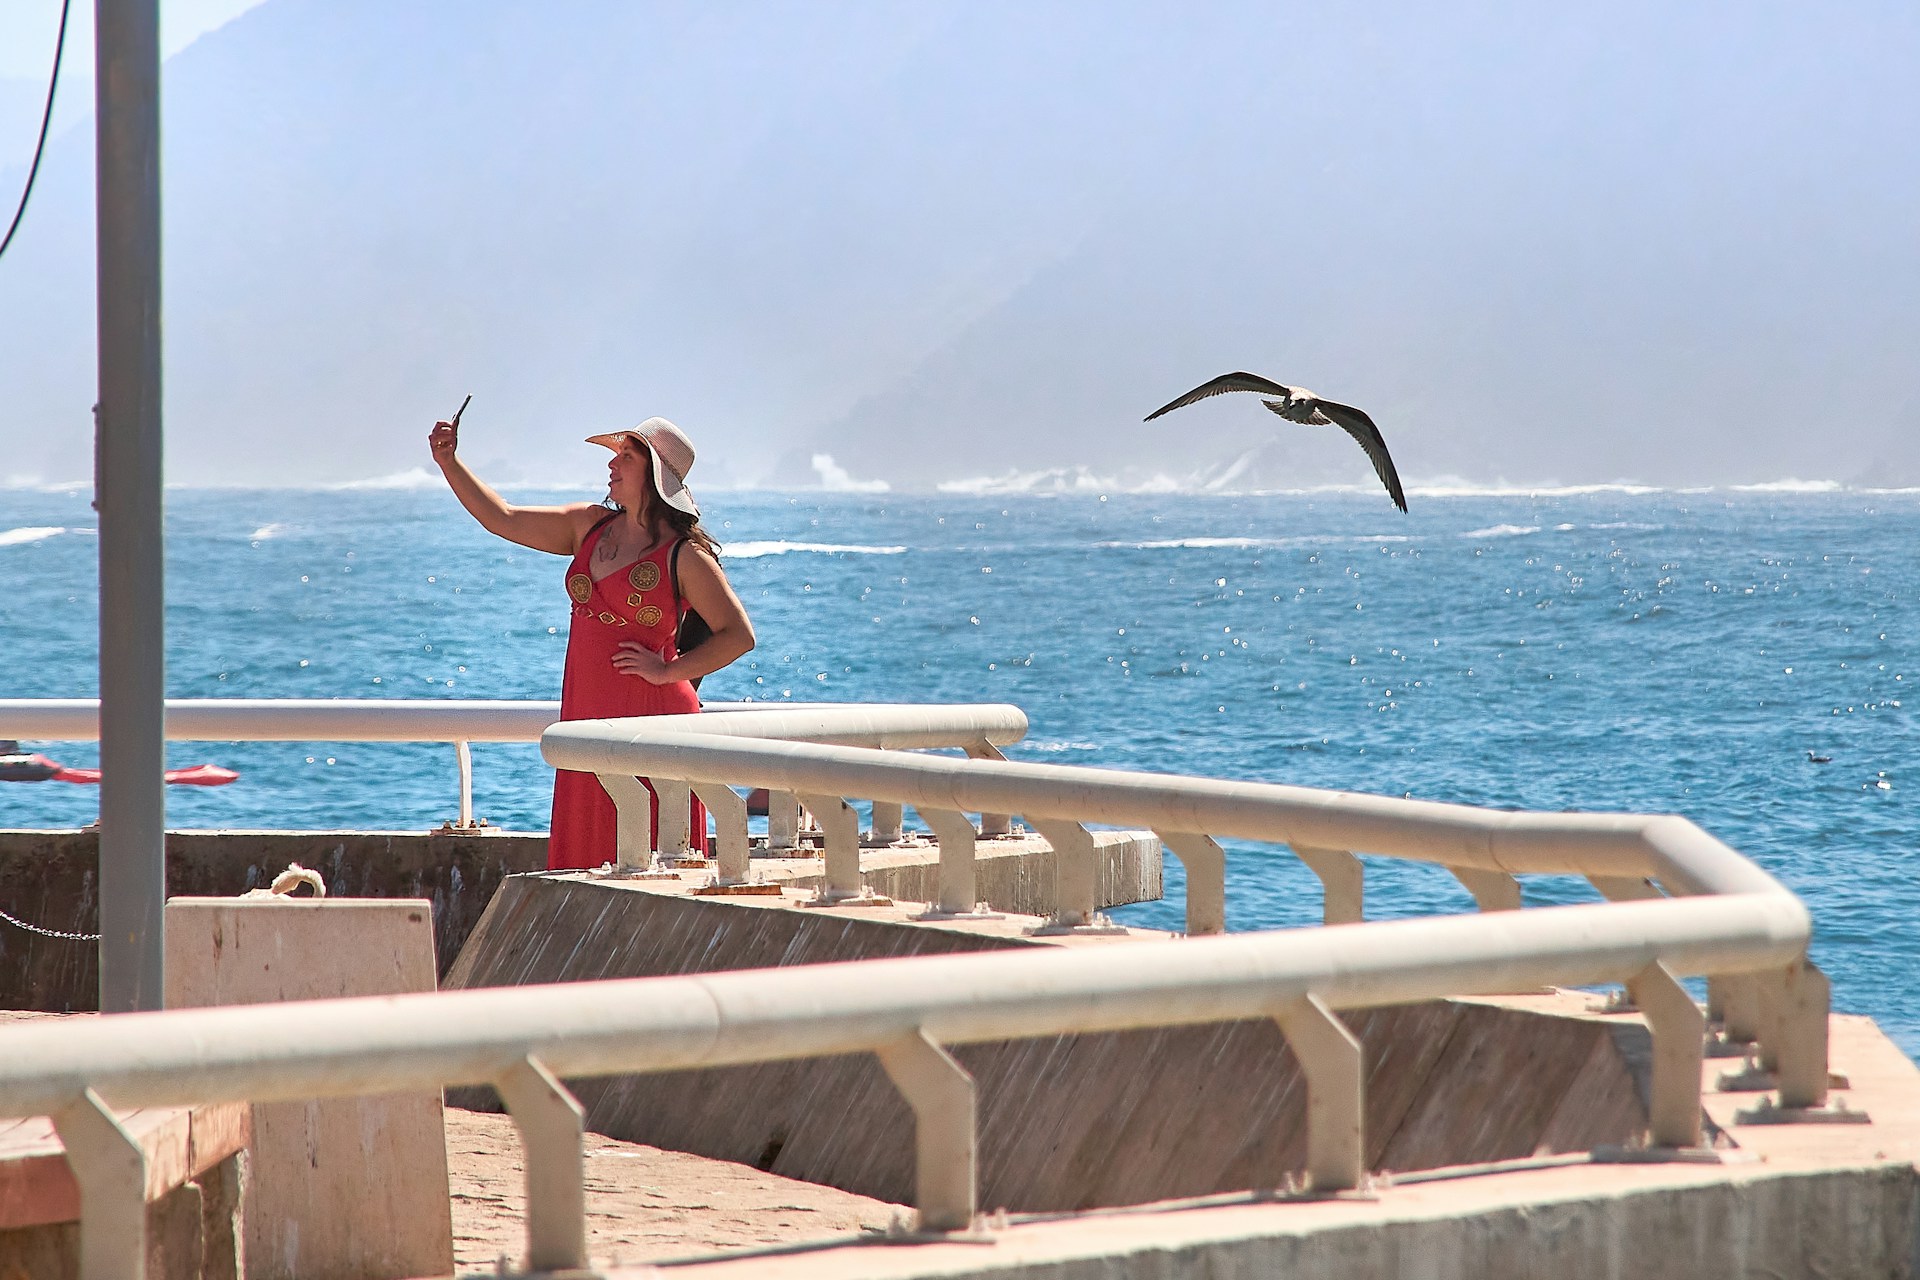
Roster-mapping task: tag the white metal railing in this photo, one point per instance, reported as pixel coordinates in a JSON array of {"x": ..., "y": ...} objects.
[
  {"x": 1627, "y": 857},
  {"x": 398, "y": 720},
  {"x": 1726, "y": 919},
  {"x": 522, "y": 1040}
]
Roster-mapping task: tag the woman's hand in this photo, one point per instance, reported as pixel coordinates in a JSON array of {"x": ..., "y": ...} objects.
[
  {"x": 635, "y": 659},
  {"x": 444, "y": 440}
]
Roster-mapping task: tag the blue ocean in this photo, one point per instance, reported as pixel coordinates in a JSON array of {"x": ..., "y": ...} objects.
[{"x": 1605, "y": 649}]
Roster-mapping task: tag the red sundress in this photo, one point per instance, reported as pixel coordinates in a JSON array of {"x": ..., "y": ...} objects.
[{"x": 634, "y": 602}]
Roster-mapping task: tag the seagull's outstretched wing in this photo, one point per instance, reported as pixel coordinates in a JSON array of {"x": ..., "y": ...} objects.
[
  {"x": 1220, "y": 386},
  {"x": 1358, "y": 425}
]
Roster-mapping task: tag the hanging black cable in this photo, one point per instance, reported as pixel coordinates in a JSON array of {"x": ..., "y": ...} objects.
[{"x": 46, "y": 119}]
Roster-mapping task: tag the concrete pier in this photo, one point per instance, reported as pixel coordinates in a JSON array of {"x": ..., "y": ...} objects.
[
  {"x": 1065, "y": 1123},
  {"x": 1789, "y": 1202}
]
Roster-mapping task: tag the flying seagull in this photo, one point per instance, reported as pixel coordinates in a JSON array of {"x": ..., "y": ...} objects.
[{"x": 1297, "y": 404}]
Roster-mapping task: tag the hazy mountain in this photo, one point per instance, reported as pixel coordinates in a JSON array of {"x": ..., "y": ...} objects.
[{"x": 954, "y": 240}]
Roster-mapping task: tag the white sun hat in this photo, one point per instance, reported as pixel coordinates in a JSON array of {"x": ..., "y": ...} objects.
[{"x": 672, "y": 458}]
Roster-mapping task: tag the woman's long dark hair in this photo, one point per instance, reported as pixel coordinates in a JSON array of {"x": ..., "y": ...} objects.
[{"x": 684, "y": 523}]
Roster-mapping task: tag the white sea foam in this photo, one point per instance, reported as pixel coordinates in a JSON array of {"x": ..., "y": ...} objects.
[
  {"x": 1244, "y": 544},
  {"x": 1503, "y": 531},
  {"x": 40, "y": 484},
  {"x": 411, "y": 478},
  {"x": 753, "y": 550},
  {"x": 835, "y": 479},
  {"x": 1050, "y": 480},
  {"x": 1164, "y": 544},
  {"x": 30, "y": 533},
  {"x": 1454, "y": 488},
  {"x": 1790, "y": 486},
  {"x": 266, "y": 531}
]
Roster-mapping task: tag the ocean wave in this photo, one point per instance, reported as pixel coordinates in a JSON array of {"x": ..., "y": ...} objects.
[
  {"x": 754, "y": 550},
  {"x": 1503, "y": 531},
  {"x": 411, "y": 478},
  {"x": 266, "y": 531},
  {"x": 1166, "y": 544},
  {"x": 1254, "y": 544},
  {"x": 834, "y": 478},
  {"x": 39, "y": 484},
  {"x": 30, "y": 533},
  {"x": 1453, "y": 488},
  {"x": 1049, "y": 480},
  {"x": 1790, "y": 486}
]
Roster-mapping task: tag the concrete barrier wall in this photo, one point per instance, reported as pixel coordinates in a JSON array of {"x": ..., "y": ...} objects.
[
  {"x": 51, "y": 879},
  {"x": 1809, "y": 1225},
  {"x": 1066, "y": 1123}
]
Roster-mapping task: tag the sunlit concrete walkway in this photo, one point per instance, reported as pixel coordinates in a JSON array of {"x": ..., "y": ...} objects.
[{"x": 1790, "y": 1200}]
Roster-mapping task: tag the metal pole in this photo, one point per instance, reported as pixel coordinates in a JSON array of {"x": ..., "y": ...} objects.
[{"x": 127, "y": 490}]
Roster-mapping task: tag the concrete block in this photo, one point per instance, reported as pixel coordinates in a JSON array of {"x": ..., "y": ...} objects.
[
  {"x": 347, "y": 1187},
  {"x": 178, "y": 1247}
]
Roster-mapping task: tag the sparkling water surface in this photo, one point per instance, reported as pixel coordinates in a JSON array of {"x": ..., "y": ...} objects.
[{"x": 1646, "y": 651}]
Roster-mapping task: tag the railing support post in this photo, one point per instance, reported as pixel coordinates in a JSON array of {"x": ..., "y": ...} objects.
[
  {"x": 783, "y": 821},
  {"x": 1076, "y": 877},
  {"x": 941, "y": 1094},
  {"x": 958, "y": 878},
  {"x": 463, "y": 753},
  {"x": 111, "y": 1168},
  {"x": 1678, "y": 1029},
  {"x": 1625, "y": 888},
  {"x": 1331, "y": 1058},
  {"x": 1491, "y": 890},
  {"x": 633, "y": 835},
  {"x": 1342, "y": 881},
  {"x": 1801, "y": 1056},
  {"x": 991, "y": 824},
  {"x": 729, "y": 812},
  {"x": 886, "y": 827},
  {"x": 550, "y": 1121},
  {"x": 676, "y": 840},
  {"x": 1740, "y": 1006},
  {"x": 842, "y": 827},
  {"x": 1206, "y": 866}
]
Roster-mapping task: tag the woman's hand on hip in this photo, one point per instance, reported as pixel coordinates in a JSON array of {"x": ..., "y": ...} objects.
[{"x": 635, "y": 659}]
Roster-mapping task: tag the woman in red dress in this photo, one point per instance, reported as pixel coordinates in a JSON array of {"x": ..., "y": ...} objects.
[{"x": 621, "y": 659}]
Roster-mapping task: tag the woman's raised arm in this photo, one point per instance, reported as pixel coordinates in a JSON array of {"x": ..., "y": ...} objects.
[{"x": 553, "y": 529}]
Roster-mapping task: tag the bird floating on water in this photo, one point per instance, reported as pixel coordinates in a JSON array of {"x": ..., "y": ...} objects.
[
  {"x": 1297, "y": 404},
  {"x": 1812, "y": 758}
]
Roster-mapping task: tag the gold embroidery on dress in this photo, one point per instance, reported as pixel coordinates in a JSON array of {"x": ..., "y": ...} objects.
[
  {"x": 649, "y": 616},
  {"x": 580, "y": 587},
  {"x": 613, "y": 619},
  {"x": 644, "y": 576}
]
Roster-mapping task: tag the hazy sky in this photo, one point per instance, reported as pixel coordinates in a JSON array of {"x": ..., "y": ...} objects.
[
  {"x": 931, "y": 243},
  {"x": 28, "y": 29}
]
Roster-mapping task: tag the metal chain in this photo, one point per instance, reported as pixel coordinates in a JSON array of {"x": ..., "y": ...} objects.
[{"x": 56, "y": 934}]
